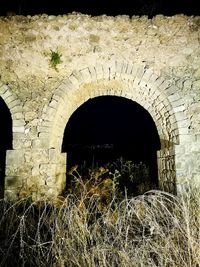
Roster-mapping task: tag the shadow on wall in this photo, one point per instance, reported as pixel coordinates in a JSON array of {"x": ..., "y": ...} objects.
[
  {"x": 107, "y": 128},
  {"x": 167, "y": 168},
  {"x": 5, "y": 141}
]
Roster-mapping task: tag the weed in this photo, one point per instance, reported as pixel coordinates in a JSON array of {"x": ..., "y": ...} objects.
[
  {"x": 121, "y": 177},
  {"x": 55, "y": 59},
  {"x": 94, "y": 226}
]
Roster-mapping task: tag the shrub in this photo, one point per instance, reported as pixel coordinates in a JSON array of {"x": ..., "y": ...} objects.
[
  {"x": 132, "y": 178},
  {"x": 120, "y": 178},
  {"x": 153, "y": 229}
]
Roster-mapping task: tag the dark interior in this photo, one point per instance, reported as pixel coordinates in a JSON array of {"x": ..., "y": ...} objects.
[{"x": 107, "y": 128}]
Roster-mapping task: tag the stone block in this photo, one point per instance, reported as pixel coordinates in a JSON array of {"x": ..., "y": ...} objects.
[
  {"x": 153, "y": 78},
  {"x": 129, "y": 68},
  {"x": 13, "y": 182},
  {"x": 179, "y": 108},
  {"x": 174, "y": 97},
  {"x": 18, "y": 136},
  {"x": 40, "y": 156},
  {"x": 93, "y": 74},
  {"x": 158, "y": 82},
  {"x": 12, "y": 101},
  {"x": 50, "y": 113},
  {"x": 53, "y": 104},
  {"x": 60, "y": 181},
  {"x": 166, "y": 84},
  {"x": 18, "y": 129},
  {"x": 18, "y": 115},
  {"x": 183, "y": 130},
  {"x": 139, "y": 74},
  {"x": 6, "y": 94},
  {"x": 15, "y": 157},
  {"x": 11, "y": 195},
  {"x": 28, "y": 156},
  {"x": 112, "y": 74},
  {"x": 3, "y": 89},
  {"x": 146, "y": 77},
  {"x": 171, "y": 90},
  {"x": 46, "y": 123},
  {"x": 19, "y": 122},
  {"x": 55, "y": 156},
  {"x": 99, "y": 71},
  {"x": 51, "y": 193},
  {"x": 180, "y": 116},
  {"x": 118, "y": 68},
  {"x": 61, "y": 168},
  {"x": 196, "y": 85},
  {"x": 48, "y": 169},
  {"x": 17, "y": 109},
  {"x": 75, "y": 82},
  {"x": 18, "y": 144},
  {"x": 50, "y": 181},
  {"x": 35, "y": 170},
  {"x": 197, "y": 137},
  {"x": 86, "y": 75},
  {"x": 178, "y": 102},
  {"x": 106, "y": 71},
  {"x": 159, "y": 106},
  {"x": 184, "y": 138},
  {"x": 67, "y": 85},
  {"x": 42, "y": 143},
  {"x": 59, "y": 96},
  {"x": 43, "y": 129}
]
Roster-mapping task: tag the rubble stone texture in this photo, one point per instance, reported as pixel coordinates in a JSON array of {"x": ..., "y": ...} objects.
[{"x": 155, "y": 62}]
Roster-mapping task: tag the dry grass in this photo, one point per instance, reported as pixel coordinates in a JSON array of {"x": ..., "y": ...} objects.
[{"x": 153, "y": 229}]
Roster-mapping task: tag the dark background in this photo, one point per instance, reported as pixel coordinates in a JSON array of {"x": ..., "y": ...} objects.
[
  {"x": 107, "y": 128},
  {"x": 98, "y": 7}
]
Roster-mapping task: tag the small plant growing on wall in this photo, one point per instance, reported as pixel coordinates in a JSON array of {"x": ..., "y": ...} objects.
[{"x": 55, "y": 59}]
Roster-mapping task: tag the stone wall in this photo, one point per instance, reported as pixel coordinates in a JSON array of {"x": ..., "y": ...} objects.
[{"x": 155, "y": 62}]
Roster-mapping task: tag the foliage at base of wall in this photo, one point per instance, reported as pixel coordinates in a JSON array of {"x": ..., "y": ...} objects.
[{"x": 153, "y": 229}]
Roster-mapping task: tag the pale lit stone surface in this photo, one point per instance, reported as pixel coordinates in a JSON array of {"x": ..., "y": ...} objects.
[{"x": 154, "y": 62}]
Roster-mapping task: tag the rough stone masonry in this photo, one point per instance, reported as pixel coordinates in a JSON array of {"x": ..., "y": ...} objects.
[{"x": 155, "y": 62}]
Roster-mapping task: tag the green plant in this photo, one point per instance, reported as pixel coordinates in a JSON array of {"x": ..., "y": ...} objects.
[
  {"x": 131, "y": 177},
  {"x": 55, "y": 59}
]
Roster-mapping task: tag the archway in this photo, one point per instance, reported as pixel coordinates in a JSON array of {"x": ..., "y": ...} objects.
[
  {"x": 5, "y": 140},
  {"x": 137, "y": 82},
  {"x": 107, "y": 128}
]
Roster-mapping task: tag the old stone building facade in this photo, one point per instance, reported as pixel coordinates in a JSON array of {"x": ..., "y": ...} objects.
[{"x": 154, "y": 62}]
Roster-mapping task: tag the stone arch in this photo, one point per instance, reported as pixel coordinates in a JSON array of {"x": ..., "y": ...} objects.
[
  {"x": 133, "y": 81},
  {"x": 15, "y": 107},
  {"x": 13, "y": 161}
]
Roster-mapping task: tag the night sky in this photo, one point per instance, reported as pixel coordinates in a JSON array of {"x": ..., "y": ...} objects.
[{"x": 98, "y": 7}]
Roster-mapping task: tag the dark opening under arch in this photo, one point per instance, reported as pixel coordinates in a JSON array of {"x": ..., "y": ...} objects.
[
  {"x": 107, "y": 128},
  {"x": 5, "y": 140}
]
